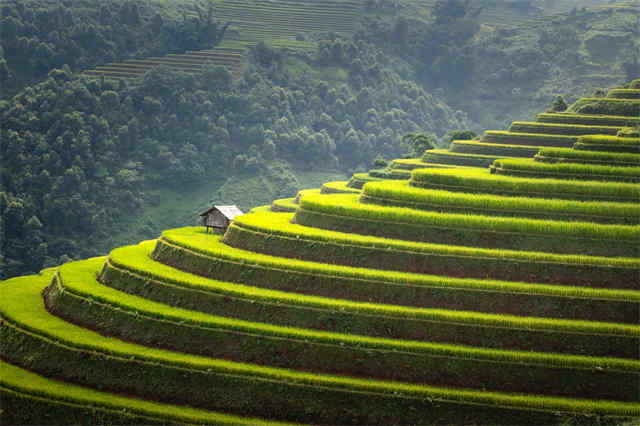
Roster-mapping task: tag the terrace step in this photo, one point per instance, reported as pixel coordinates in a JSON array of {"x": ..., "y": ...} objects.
[
  {"x": 29, "y": 398},
  {"x": 284, "y": 205},
  {"x": 530, "y": 139},
  {"x": 190, "y": 62},
  {"x": 608, "y": 106},
  {"x": 443, "y": 156},
  {"x": 264, "y": 232},
  {"x": 481, "y": 181},
  {"x": 278, "y": 19},
  {"x": 561, "y": 129},
  {"x": 573, "y": 171},
  {"x": 342, "y": 212},
  {"x": 381, "y": 286},
  {"x": 112, "y": 74},
  {"x": 337, "y": 187},
  {"x": 164, "y": 284},
  {"x": 568, "y": 155},
  {"x": 94, "y": 360},
  {"x": 405, "y": 194},
  {"x": 624, "y": 93},
  {"x": 358, "y": 180},
  {"x": 608, "y": 144},
  {"x": 483, "y": 148},
  {"x": 76, "y": 296},
  {"x": 417, "y": 163},
  {"x": 391, "y": 174},
  {"x": 587, "y": 119}
]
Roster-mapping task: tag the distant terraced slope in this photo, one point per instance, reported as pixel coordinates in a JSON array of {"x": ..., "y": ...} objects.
[
  {"x": 588, "y": 116},
  {"x": 284, "y": 19},
  {"x": 506, "y": 13},
  {"x": 277, "y": 22},
  {"x": 190, "y": 62}
]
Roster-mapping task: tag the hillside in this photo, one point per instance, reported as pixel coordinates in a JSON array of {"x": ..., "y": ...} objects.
[
  {"x": 151, "y": 99},
  {"x": 104, "y": 143},
  {"x": 514, "y": 64},
  {"x": 380, "y": 305}
]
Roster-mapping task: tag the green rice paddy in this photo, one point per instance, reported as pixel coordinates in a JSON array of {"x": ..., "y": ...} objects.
[{"x": 433, "y": 290}]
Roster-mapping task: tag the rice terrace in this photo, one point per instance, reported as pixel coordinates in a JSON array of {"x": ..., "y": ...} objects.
[{"x": 494, "y": 280}]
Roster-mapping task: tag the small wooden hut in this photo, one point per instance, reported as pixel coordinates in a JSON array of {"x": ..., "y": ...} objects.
[{"x": 219, "y": 217}]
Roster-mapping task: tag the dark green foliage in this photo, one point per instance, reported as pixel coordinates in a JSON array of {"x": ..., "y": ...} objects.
[
  {"x": 559, "y": 104},
  {"x": 37, "y": 35},
  {"x": 519, "y": 57},
  {"x": 460, "y": 134},
  {"x": 379, "y": 162},
  {"x": 96, "y": 149},
  {"x": 418, "y": 143}
]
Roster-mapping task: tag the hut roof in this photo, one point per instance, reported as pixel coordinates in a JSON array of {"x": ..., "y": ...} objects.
[{"x": 230, "y": 212}]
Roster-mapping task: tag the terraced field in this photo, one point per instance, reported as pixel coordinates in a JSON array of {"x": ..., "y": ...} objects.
[
  {"x": 601, "y": 117},
  {"x": 277, "y": 22},
  {"x": 432, "y": 293},
  {"x": 284, "y": 19},
  {"x": 233, "y": 58}
]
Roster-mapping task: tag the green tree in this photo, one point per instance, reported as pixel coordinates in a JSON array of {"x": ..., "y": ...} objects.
[
  {"x": 418, "y": 143},
  {"x": 559, "y": 104}
]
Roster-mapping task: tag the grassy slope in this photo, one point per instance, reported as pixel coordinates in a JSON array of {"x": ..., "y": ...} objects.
[
  {"x": 33, "y": 315},
  {"x": 57, "y": 392},
  {"x": 174, "y": 207}
]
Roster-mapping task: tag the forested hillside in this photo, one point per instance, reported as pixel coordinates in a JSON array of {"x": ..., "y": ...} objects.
[
  {"x": 81, "y": 155},
  {"x": 502, "y": 60}
]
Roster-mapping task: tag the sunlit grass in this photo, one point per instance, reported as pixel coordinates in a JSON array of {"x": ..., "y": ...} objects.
[
  {"x": 588, "y": 157},
  {"x": 561, "y": 129},
  {"x": 37, "y": 319},
  {"x": 587, "y": 119},
  {"x": 490, "y": 204},
  {"x": 483, "y": 181},
  {"x": 347, "y": 205},
  {"x": 588, "y": 172},
  {"x": 79, "y": 279},
  {"x": 196, "y": 239},
  {"x": 265, "y": 221}
]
